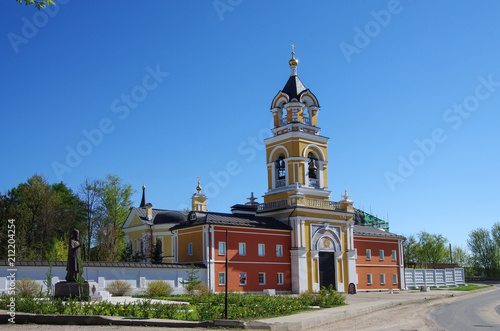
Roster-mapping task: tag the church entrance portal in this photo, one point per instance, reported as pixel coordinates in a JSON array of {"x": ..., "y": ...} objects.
[{"x": 326, "y": 269}]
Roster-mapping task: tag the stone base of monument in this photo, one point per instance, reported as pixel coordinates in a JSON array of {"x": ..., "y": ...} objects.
[{"x": 66, "y": 290}]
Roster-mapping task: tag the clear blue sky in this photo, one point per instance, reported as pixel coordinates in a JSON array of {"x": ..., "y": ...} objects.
[{"x": 390, "y": 76}]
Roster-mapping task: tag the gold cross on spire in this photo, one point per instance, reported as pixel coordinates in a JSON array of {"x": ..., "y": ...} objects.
[
  {"x": 293, "y": 51},
  {"x": 198, "y": 188}
]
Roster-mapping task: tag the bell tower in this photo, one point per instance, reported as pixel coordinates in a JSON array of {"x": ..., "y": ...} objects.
[
  {"x": 322, "y": 250},
  {"x": 297, "y": 156}
]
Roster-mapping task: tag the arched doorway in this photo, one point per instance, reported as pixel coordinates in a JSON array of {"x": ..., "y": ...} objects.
[{"x": 326, "y": 242}]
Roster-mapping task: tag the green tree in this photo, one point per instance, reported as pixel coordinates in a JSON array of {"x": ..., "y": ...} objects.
[
  {"x": 485, "y": 255},
  {"x": 193, "y": 281},
  {"x": 410, "y": 245},
  {"x": 461, "y": 257},
  {"x": 41, "y": 212},
  {"x": 69, "y": 210},
  {"x": 116, "y": 199},
  {"x": 39, "y": 4},
  {"x": 90, "y": 194},
  {"x": 157, "y": 254},
  {"x": 432, "y": 248},
  {"x": 495, "y": 232}
]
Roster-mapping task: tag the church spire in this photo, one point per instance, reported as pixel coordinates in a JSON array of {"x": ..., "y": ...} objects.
[{"x": 143, "y": 201}]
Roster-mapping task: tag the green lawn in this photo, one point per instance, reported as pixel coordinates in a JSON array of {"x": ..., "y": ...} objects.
[{"x": 469, "y": 287}]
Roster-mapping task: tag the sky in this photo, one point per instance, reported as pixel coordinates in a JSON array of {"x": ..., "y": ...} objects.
[{"x": 162, "y": 92}]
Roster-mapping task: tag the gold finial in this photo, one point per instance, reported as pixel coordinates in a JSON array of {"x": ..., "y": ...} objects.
[
  {"x": 143, "y": 185},
  {"x": 198, "y": 188},
  {"x": 293, "y": 61}
]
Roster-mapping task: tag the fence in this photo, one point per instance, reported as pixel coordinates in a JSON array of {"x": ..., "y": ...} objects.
[
  {"x": 434, "y": 277},
  {"x": 135, "y": 273}
]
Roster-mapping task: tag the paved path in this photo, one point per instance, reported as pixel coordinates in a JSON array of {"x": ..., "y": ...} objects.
[{"x": 358, "y": 304}]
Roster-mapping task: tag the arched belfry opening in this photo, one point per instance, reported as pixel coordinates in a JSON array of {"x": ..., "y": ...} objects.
[
  {"x": 280, "y": 171},
  {"x": 312, "y": 169}
]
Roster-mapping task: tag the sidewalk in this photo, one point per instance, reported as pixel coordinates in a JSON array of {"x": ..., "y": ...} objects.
[{"x": 358, "y": 304}]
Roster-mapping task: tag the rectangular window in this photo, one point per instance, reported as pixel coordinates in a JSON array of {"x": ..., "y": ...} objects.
[
  {"x": 279, "y": 250},
  {"x": 190, "y": 249},
  {"x": 222, "y": 278},
  {"x": 242, "y": 249},
  {"x": 394, "y": 279},
  {"x": 262, "y": 250},
  {"x": 394, "y": 255},
  {"x": 368, "y": 254},
  {"x": 369, "y": 279},
  {"x": 381, "y": 253},
  {"x": 222, "y": 248},
  {"x": 243, "y": 278},
  {"x": 262, "y": 278},
  {"x": 382, "y": 279},
  {"x": 280, "y": 278}
]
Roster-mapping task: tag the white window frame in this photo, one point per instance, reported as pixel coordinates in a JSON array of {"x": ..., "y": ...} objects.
[
  {"x": 280, "y": 278},
  {"x": 263, "y": 274},
  {"x": 279, "y": 250},
  {"x": 262, "y": 249},
  {"x": 242, "y": 249},
  {"x": 222, "y": 248},
  {"x": 244, "y": 274},
  {"x": 223, "y": 275},
  {"x": 381, "y": 254},
  {"x": 395, "y": 279},
  {"x": 368, "y": 254},
  {"x": 394, "y": 255},
  {"x": 369, "y": 279},
  {"x": 382, "y": 279},
  {"x": 190, "y": 249}
]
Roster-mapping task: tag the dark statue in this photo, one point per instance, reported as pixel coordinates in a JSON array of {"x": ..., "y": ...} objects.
[
  {"x": 73, "y": 266},
  {"x": 74, "y": 286}
]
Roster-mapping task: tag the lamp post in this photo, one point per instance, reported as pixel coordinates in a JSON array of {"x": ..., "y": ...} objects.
[{"x": 226, "y": 280}]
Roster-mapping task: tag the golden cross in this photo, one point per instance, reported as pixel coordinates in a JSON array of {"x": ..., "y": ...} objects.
[{"x": 292, "y": 49}]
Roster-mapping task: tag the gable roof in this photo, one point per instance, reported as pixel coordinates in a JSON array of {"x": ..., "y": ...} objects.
[
  {"x": 368, "y": 231},
  {"x": 243, "y": 220}
]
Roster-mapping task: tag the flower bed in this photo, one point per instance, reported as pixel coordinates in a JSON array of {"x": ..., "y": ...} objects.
[{"x": 204, "y": 308}]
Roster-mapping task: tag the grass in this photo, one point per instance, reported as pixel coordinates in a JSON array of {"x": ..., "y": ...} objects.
[{"x": 469, "y": 287}]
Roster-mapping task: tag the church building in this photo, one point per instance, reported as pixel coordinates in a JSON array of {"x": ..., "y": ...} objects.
[{"x": 296, "y": 240}]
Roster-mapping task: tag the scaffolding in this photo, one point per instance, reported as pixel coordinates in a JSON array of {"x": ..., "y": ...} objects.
[{"x": 363, "y": 218}]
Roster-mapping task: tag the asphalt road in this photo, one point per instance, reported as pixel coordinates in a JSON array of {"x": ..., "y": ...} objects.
[{"x": 481, "y": 312}]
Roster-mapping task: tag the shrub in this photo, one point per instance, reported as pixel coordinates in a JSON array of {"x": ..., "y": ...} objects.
[
  {"x": 327, "y": 297},
  {"x": 119, "y": 288},
  {"x": 27, "y": 287},
  {"x": 201, "y": 288},
  {"x": 157, "y": 288}
]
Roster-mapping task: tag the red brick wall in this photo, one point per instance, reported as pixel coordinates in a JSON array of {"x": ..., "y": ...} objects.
[
  {"x": 252, "y": 263},
  {"x": 376, "y": 267}
]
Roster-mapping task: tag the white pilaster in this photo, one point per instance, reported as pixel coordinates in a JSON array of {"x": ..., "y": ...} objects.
[
  {"x": 402, "y": 280},
  {"x": 351, "y": 267},
  {"x": 315, "y": 256},
  {"x": 339, "y": 256},
  {"x": 303, "y": 233},
  {"x": 299, "y": 270}
]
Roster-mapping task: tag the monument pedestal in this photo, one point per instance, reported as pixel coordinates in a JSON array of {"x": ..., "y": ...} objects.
[{"x": 71, "y": 290}]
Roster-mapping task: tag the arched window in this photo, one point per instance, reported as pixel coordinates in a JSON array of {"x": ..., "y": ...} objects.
[
  {"x": 307, "y": 116},
  {"x": 313, "y": 170},
  {"x": 283, "y": 115},
  {"x": 280, "y": 171}
]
